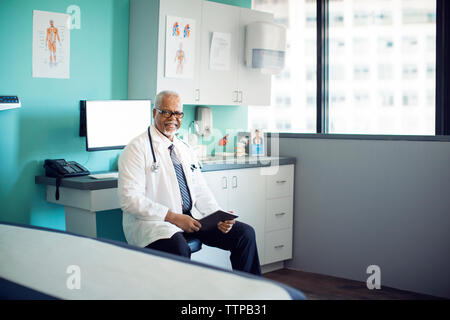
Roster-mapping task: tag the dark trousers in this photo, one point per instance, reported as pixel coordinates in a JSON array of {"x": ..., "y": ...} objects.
[{"x": 240, "y": 241}]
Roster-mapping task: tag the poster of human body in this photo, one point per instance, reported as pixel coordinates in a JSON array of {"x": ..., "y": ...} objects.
[
  {"x": 180, "y": 47},
  {"x": 51, "y": 45}
]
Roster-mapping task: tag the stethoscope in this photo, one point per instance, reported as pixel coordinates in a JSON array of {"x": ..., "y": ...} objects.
[{"x": 155, "y": 165}]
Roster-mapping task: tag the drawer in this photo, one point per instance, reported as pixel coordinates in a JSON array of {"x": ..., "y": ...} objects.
[
  {"x": 279, "y": 213},
  {"x": 282, "y": 183},
  {"x": 278, "y": 245}
]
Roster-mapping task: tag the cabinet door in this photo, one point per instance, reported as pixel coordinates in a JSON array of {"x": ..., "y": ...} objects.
[
  {"x": 185, "y": 87},
  {"x": 254, "y": 87},
  {"x": 247, "y": 197},
  {"x": 217, "y": 182},
  {"x": 219, "y": 87}
]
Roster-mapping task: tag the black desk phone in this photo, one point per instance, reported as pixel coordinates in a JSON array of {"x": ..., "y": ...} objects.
[{"x": 60, "y": 168}]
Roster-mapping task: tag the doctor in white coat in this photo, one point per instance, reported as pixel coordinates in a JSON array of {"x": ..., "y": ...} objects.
[{"x": 163, "y": 194}]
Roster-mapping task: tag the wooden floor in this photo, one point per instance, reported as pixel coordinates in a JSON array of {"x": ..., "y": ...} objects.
[{"x": 322, "y": 287}]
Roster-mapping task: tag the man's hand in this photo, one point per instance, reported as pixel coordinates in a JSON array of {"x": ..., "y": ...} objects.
[
  {"x": 183, "y": 221},
  {"x": 225, "y": 226}
]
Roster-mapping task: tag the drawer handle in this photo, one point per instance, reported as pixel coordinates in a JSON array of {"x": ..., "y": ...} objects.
[
  {"x": 224, "y": 183},
  {"x": 281, "y": 181},
  {"x": 279, "y": 246},
  {"x": 280, "y": 214}
]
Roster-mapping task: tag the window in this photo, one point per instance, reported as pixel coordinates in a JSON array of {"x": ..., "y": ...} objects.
[
  {"x": 293, "y": 106},
  {"x": 393, "y": 81},
  {"x": 380, "y": 68}
]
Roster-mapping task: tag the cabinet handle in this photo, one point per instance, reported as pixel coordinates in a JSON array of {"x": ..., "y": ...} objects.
[
  {"x": 280, "y": 214},
  {"x": 235, "y": 98},
  {"x": 224, "y": 183},
  {"x": 279, "y": 246},
  {"x": 240, "y": 95},
  {"x": 197, "y": 94},
  {"x": 234, "y": 182},
  {"x": 281, "y": 181}
]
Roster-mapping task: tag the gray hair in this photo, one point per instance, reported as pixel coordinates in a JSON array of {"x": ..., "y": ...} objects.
[{"x": 160, "y": 97}]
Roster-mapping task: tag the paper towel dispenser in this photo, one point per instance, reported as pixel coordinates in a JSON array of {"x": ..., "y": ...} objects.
[{"x": 265, "y": 46}]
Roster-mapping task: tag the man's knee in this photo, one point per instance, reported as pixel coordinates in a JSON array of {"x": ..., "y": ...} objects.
[
  {"x": 247, "y": 232},
  {"x": 183, "y": 250},
  {"x": 180, "y": 246},
  {"x": 175, "y": 245}
]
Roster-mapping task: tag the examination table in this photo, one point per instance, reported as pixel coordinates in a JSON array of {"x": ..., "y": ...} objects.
[{"x": 40, "y": 263}]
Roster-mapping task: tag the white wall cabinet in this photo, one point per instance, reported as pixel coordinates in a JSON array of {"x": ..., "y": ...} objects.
[
  {"x": 217, "y": 86},
  {"x": 264, "y": 202},
  {"x": 146, "y": 66},
  {"x": 254, "y": 87},
  {"x": 238, "y": 85}
]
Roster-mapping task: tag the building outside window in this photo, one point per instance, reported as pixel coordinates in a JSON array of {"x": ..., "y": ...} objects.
[
  {"x": 394, "y": 80},
  {"x": 382, "y": 68}
]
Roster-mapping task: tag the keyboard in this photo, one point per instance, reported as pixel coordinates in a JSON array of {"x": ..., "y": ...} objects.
[{"x": 107, "y": 175}]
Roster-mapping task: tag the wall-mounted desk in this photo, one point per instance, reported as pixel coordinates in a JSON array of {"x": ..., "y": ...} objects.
[{"x": 82, "y": 197}]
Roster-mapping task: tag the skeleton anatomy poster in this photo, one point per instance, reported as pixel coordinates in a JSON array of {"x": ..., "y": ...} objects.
[
  {"x": 180, "y": 47},
  {"x": 51, "y": 45}
]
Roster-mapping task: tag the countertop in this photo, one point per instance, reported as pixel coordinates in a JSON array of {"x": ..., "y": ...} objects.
[
  {"x": 220, "y": 163},
  {"x": 208, "y": 164}
]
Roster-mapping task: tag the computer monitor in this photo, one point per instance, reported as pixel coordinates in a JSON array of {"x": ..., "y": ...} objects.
[{"x": 112, "y": 124}]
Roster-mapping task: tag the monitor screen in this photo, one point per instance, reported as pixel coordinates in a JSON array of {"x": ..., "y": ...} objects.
[{"x": 113, "y": 124}]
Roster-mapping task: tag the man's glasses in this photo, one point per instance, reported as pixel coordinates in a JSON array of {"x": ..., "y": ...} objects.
[{"x": 168, "y": 114}]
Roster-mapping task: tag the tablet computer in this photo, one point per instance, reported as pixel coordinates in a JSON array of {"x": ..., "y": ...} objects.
[{"x": 210, "y": 221}]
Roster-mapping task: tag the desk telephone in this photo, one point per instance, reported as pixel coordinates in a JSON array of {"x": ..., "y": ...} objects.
[{"x": 60, "y": 168}]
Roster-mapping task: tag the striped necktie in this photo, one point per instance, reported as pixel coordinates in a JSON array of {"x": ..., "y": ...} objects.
[{"x": 184, "y": 190}]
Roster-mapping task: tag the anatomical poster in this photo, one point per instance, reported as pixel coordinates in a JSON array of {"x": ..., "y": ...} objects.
[
  {"x": 51, "y": 45},
  {"x": 180, "y": 47}
]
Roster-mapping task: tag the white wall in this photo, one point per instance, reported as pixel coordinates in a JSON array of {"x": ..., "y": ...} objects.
[{"x": 363, "y": 202}]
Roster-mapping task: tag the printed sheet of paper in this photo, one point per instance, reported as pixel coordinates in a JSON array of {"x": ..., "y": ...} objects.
[
  {"x": 51, "y": 45},
  {"x": 180, "y": 47},
  {"x": 219, "y": 54}
]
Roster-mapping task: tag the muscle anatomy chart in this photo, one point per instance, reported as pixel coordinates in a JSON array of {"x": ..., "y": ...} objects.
[{"x": 51, "y": 45}]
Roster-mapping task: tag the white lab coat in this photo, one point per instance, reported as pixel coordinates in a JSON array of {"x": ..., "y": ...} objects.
[{"x": 146, "y": 196}]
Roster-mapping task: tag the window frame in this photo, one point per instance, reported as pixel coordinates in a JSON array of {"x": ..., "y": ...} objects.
[{"x": 442, "y": 69}]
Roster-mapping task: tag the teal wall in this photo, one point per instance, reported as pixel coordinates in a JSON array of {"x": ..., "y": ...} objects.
[
  {"x": 47, "y": 124},
  {"x": 226, "y": 120},
  {"x": 46, "y": 127}
]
